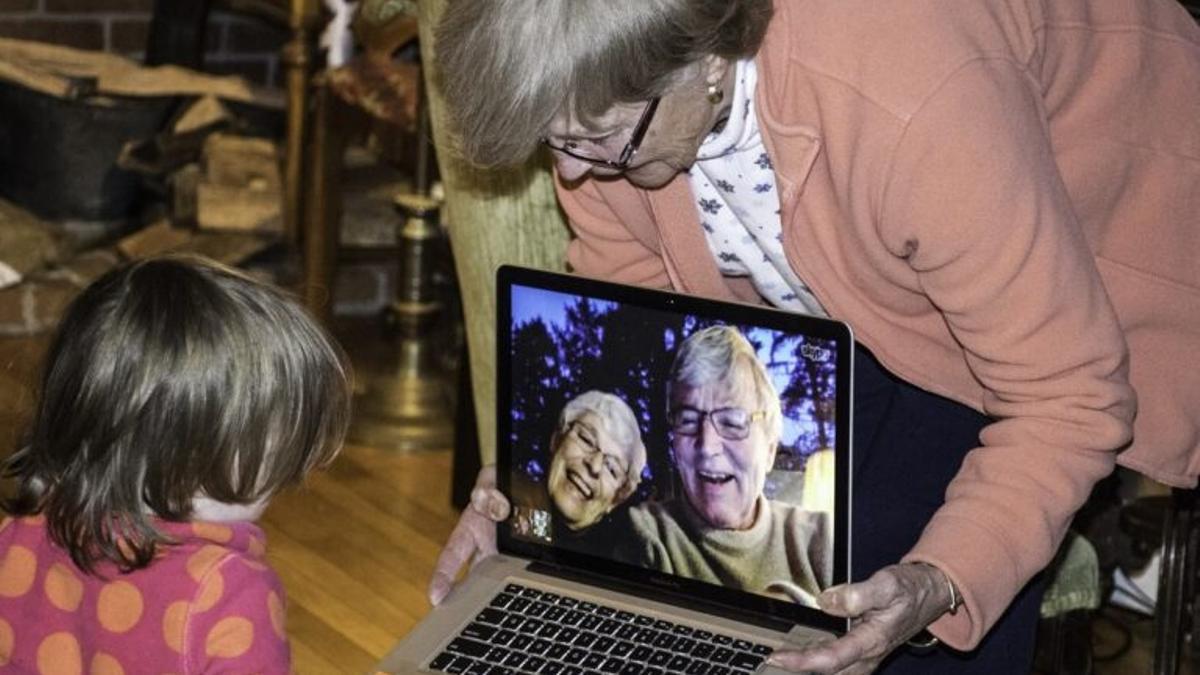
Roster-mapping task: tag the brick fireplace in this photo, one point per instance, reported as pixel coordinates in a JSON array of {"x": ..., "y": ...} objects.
[{"x": 236, "y": 43}]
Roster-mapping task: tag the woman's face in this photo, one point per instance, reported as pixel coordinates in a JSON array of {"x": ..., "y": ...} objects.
[
  {"x": 722, "y": 476},
  {"x": 680, "y": 124},
  {"x": 588, "y": 469}
]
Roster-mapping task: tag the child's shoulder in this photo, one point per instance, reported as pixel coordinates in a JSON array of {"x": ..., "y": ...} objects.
[{"x": 203, "y": 548}]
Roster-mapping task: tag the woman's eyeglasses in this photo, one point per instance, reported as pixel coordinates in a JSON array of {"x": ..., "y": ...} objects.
[
  {"x": 732, "y": 424},
  {"x": 570, "y": 148}
]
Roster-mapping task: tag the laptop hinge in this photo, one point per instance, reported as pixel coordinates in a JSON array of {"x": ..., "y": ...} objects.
[{"x": 661, "y": 595}]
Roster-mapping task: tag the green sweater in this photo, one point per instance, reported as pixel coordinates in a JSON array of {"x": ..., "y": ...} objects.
[{"x": 787, "y": 552}]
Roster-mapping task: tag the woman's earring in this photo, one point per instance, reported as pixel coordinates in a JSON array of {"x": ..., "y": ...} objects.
[{"x": 715, "y": 94}]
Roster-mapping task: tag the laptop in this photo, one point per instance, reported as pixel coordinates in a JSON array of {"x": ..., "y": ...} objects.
[{"x": 653, "y": 581}]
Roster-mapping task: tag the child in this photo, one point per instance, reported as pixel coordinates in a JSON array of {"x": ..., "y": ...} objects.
[{"x": 178, "y": 397}]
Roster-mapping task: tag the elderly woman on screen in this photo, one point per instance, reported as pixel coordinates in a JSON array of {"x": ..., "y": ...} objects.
[
  {"x": 725, "y": 422},
  {"x": 597, "y": 459},
  {"x": 998, "y": 196}
]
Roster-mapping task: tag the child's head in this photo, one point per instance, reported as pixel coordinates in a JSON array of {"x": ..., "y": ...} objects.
[{"x": 173, "y": 380}]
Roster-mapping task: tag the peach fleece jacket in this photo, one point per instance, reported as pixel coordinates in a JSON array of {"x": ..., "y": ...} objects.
[{"x": 1001, "y": 197}]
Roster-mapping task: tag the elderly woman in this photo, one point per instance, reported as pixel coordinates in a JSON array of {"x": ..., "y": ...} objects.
[
  {"x": 1000, "y": 197},
  {"x": 597, "y": 460},
  {"x": 725, "y": 424}
]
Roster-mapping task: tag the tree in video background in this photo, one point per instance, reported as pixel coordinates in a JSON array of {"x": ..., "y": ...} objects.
[{"x": 563, "y": 345}]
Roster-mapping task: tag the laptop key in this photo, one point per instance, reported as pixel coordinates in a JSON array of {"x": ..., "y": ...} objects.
[
  {"x": 575, "y": 656},
  {"x": 556, "y": 652},
  {"x": 551, "y": 668},
  {"x": 722, "y": 639},
  {"x": 703, "y": 650},
  {"x": 603, "y": 644},
  {"x": 440, "y": 661},
  {"x": 641, "y": 653},
  {"x": 479, "y": 631},
  {"x": 539, "y": 646},
  {"x": 534, "y": 664},
  {"x": 684, "y": 645},
  {"x": 622, "y": 648},
  {"x": 459, "y": 665},
  {"x": 611, "y": 665},
  {"x": 659, "y": 658},
  {"x": 664, "y": 640},
  {"x": 496, "y": 655},
  {"x": 479, "y": 668},
  {"x": 468, "y": 647},
  {"x": 679, "y": 663},
  {"x": 592, "y": 661},
  {"x": 700, "y": 668},
  {"x": 513, "y": 621},
  {"x": 745, "y": 661},
  {"x": 520, "y": 642},
  {"x": 490, "y": 615},
  {"x": 537, "y": 609},
  {"x": 503, "y": 637},
  {"x": 514, "y": 660},
  {"x": 585, "y": 640},
  {"x": 762, "y": 650},
  {"x": 501, "y": 600},
  {"x": 722, "y": 655}
]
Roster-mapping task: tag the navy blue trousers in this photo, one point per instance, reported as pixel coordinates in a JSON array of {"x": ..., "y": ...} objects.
[{"x": 908, "y": 444}]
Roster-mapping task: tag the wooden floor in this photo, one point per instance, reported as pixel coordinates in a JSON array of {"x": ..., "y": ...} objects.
[{"x": 355, "y": 549}]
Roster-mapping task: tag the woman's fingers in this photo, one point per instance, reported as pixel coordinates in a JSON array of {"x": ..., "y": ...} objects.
[
  {"x": 473, "y": 538},
  {"x": 889, "y": 608}
]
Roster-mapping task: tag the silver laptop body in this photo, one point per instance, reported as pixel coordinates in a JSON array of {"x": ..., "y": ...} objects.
[{"x": 561, "y": 335}]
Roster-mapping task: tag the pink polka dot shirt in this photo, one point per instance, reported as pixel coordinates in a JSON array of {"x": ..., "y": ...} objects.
[{"x": 207, "y": 605}]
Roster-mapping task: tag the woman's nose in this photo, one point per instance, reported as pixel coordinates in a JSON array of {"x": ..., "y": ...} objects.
[
  {"x": 709, "y": 441},
  {"x": 594, "y": 463},
  {"x": 569, "y": 168}
]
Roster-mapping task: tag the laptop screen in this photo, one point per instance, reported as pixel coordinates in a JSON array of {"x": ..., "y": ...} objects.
[{"x": 695, "y": 446}]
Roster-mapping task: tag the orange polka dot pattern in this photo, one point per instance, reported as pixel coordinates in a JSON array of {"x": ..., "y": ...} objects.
[{"x": 210, "y": 602}]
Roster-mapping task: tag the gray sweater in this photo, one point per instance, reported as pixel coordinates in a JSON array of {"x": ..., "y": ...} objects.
[{"x": 787, "y": 552}]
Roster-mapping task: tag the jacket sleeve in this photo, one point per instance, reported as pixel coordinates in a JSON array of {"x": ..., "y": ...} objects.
[
  {"x": 603, "y": 247},
  {"x": 236, "y": 621},
  {"x": 976, "y": 204}
]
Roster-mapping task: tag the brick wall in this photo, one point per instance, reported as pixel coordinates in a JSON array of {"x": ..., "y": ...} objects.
[{"x": 236, "y": 43}]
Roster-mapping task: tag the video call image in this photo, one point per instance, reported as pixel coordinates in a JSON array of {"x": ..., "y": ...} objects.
[{"x": 673, "y": 442}]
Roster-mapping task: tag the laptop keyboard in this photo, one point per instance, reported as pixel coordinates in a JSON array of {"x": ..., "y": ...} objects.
[{"x": 526, "y": 630}]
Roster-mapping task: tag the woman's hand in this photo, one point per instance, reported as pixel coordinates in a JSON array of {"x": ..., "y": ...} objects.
[
  {"x": 474, "y": 538},
  {"x": 895, "y": 604}
]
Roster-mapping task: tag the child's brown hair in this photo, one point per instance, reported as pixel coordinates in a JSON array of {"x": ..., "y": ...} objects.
[{"x": 168, "y": 379}]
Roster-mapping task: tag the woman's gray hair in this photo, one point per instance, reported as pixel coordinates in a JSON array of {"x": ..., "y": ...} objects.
[
  {"x": 507, "y": 67},
  {"x": 712, "y": 355},
  {"x": 619, "y": 422}
]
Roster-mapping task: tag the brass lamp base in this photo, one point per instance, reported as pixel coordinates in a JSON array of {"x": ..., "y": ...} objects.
[{"x": 407, "y": 407}]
